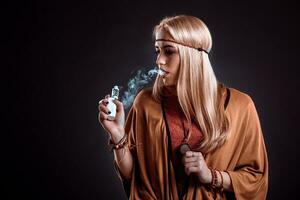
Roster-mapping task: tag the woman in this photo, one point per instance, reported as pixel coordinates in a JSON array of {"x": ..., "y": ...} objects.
[{"x": 188, "y": 136}]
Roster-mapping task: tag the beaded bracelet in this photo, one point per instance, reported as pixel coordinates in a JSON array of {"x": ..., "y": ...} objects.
[
  {"x": 214, "y": 180},
  {"x": 118, "y": 145},
  {"x": 222, "y": 188}
]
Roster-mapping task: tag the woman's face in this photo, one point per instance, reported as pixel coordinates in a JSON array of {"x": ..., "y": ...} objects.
[{"x": 167, "y": 57}]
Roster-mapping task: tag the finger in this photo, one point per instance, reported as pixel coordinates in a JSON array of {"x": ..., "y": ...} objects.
[
  {"x": 192, "y": 164},
  {"x": 189, "y": 170},
  {"x": 103, "y": 101},
  {"x": 191, "y": 154},
  {"x": 119, "y": 104},
  {"x": 102, "y": 116},
  {"x": 200, "y": 154},
  {"x": 190, "y": 159},
  {"x": 104, "y": 109},
  {"x": 188, "y": 154}
]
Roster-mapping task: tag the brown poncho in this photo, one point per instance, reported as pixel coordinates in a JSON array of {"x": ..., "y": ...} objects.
[{"x": 243, "y": 156}]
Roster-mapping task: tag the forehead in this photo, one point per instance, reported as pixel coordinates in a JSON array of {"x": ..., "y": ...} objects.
[{"x": 163, "y": 34}]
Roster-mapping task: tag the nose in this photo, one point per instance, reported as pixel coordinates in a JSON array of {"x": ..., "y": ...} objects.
[{"x": 161, "y": 60}]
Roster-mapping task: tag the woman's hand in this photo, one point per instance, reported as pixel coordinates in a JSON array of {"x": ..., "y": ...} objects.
[
  {"x": 116, "y": 127},
  {"x": 194, "y": 163}
]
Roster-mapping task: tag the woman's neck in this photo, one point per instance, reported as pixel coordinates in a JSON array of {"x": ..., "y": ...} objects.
[{"x": 170, "y": 90}]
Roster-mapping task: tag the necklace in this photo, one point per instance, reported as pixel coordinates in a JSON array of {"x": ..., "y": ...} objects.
[{"x": 184, "y": 147}]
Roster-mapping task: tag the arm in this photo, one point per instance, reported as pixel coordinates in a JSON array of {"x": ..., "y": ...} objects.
[
  {"x": 227, "y": 184},
  {"x": 123, "y": 159},
  {"x": 250, "y": 175},
  {"x": 116, "y": 131}
]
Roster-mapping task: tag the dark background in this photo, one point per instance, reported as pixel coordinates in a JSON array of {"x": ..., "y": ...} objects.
[{"x": 60, "y": 58}]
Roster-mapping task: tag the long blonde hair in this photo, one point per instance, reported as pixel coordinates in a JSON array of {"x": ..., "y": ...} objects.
[{"x": 198, "y": 90}]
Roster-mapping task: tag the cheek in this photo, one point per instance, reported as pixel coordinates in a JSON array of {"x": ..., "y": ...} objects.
[{"x": 176, "y": 66}]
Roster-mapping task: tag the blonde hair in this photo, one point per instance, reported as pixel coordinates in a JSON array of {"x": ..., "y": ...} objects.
[{"x": 198, "y": 90}]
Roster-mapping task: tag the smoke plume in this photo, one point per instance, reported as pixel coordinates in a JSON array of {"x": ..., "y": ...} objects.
[{"x": 141, "y": 79}]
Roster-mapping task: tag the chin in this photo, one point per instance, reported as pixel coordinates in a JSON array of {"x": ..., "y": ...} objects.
[{"x": 168, "y": 82}]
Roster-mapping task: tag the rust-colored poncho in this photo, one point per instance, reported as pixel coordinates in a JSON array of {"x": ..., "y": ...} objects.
[{"x": 243, "y": 156}]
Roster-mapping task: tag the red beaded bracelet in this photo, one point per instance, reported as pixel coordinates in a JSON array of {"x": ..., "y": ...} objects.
[
  {"x": 221, "y": 181},
  {"x": 118, "y": 145},
  {"x": 214, "y": 180}
]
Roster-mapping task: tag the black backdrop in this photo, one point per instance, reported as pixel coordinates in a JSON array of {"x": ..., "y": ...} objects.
[{"x": 62, "y": 57}]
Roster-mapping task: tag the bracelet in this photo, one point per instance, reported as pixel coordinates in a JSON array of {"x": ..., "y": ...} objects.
[
  {"x": 214, "y": 179},
  {"x": 121, "y": 144},
  {"x": 222, "y": 188}
]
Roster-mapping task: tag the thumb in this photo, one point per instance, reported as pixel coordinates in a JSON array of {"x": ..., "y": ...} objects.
[{"x": 119, "y": 104}]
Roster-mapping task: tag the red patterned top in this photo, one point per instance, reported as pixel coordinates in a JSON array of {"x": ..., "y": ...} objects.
[{"x": 176, "y": 120}]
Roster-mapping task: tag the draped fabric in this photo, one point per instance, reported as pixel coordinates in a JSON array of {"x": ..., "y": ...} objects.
[{"x": 243, "y": 155}]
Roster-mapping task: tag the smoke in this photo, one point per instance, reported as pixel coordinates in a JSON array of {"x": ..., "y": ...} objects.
[{"x": 142, "y": 78}]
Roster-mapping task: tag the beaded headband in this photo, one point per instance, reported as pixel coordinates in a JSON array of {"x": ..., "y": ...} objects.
[{"x": 199, "y": 49}]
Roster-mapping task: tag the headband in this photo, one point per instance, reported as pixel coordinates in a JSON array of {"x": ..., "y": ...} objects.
[{"x": 199, "y": 49}]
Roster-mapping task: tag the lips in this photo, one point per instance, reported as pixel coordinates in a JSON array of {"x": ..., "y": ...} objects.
[{"x": 162, "y": 72}]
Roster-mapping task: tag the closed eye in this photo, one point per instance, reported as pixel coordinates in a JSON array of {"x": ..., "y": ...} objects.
[{"x": 167, "y": 51}]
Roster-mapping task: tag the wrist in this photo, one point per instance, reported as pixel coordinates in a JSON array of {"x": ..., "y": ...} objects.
[
  {"x": 206, "y": 178},
  {"x": 119, "y": 145},
  {"x": 209, "y": 176},
  {"x": 216, "y": 181},
  {"x": 115, "y": 138}
]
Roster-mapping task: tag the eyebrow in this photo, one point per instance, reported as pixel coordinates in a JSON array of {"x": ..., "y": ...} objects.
[{"x": 165, "y": 46}]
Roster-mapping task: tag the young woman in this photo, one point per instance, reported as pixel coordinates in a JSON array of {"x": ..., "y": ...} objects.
[{"x": 188, "y": 136}]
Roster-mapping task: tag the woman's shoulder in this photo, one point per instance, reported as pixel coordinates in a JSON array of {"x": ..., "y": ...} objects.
[
  {"x": 143, "y": 97},
  {"x": 239, "y": 98}
]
